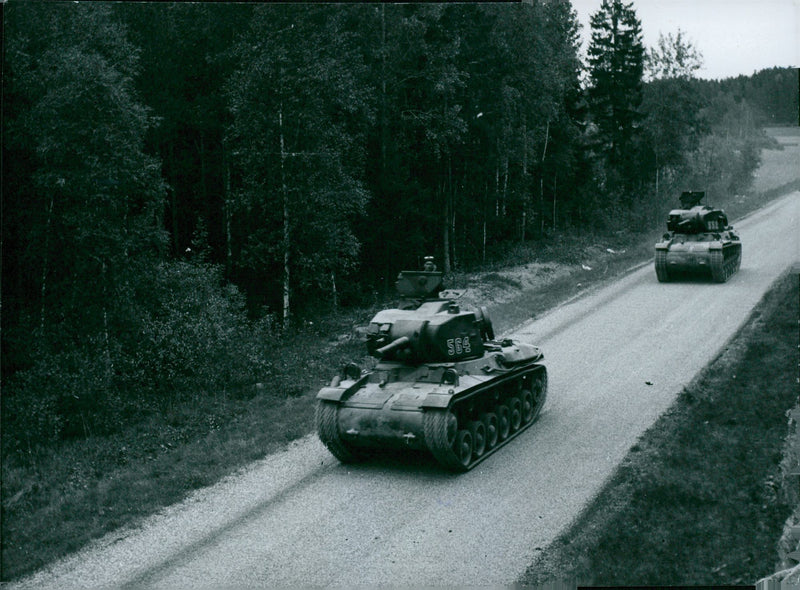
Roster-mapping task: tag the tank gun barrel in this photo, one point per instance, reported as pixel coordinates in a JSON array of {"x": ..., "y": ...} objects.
[{"x": 401, "y": 342}]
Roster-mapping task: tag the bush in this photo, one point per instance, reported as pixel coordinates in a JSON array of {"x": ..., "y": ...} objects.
[
  {"x": 182, "y": 333},
  {"x": 195, "y": 335}
]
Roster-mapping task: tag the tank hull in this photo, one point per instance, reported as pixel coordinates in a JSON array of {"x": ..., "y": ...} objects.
[
  {"x": 700, "y": 254},
  {"x": 460, "y": 412}
]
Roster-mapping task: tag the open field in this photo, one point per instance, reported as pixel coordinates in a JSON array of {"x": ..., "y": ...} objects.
[{"x": 779, "y": 167}]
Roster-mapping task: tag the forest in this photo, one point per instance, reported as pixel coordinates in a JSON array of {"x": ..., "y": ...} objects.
[{"x": 184, "y": 183}]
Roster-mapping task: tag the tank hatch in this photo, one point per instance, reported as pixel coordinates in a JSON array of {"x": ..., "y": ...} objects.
[{"x": 691, "y": 198}]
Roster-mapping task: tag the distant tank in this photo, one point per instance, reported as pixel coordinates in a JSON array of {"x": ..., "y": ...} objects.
[
  {"x": 442, "y": 383},
  {"x": 699, "y": 241}
]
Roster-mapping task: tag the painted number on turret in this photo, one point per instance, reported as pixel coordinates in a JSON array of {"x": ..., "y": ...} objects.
[{"x": 457, "y": 346}]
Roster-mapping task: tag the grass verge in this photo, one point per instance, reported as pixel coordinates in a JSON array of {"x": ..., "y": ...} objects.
[
  {"x": 696, "y": 501},
  {"x": 56, "y": 500}
]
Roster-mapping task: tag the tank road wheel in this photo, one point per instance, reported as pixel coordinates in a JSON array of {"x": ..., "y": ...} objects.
[
  {"x": 515, "y": 413},
  {"x": 444, "y": 439},
  {"x": 464, "y": 447},
  {"x": 328, "y": 431},
  {"x": 733, "y": 258},
  {"x": 662, "y": 273},
  {"x": 730, "y": 265},
  {"x": 538, "y": 394},
  {"x": 719, "y": 270},
  {"x": 490, "y": 424},
  {"x": 503, "y": 422},
  {"x": 526, "y": 405},
  {"x": 478, "y": 431}
]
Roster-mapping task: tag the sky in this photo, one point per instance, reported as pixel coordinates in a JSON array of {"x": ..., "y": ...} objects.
[{"x": 734, "y": 36}]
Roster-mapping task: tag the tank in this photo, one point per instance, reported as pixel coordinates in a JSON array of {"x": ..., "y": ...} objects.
[
  {"x": 441, "y": 384},
  {"x": 699, "y": 241}
]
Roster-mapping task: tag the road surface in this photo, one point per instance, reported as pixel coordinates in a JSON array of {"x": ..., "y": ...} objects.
[{"x": 617, "y": 358}]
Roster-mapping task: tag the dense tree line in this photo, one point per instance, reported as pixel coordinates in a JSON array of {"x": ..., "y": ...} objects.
[{"x": 155, "y": 155}]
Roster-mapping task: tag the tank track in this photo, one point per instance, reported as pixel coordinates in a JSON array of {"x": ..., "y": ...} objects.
[
  {"x": 472, "y": 428},
  {"x": 726, "y": 262},
  {"x": 327, "y": 418},
  {"x": 662, "y": 272}
]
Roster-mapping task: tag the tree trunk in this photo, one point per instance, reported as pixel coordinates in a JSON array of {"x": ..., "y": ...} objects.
[
  {"x": 505, "y": 183},
  {"x": 446, "y": 233},
  {"x": 45, "y": 263},
  {"x": 453, "y": 241},
  {"x": 174, "y": 203},
  {"x": 483, "y": 257},
  {"x": 285, "y": 194},
  {"x": 451, "y": 195},
  {"x": 483, "y": 211},
  {"x": 228, "y": 251},
  {"x": 524, "y": 178},
  {"x": 555, "y": 198},
  {"x": 106, "y": 339},
  {"x": 383, "y": 88},
  {"x": 497, "y": 182},
  {"x": 541, "y": 177}
]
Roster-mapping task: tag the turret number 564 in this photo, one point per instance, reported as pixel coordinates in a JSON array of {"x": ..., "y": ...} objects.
[{"x": 458, "y": 346}]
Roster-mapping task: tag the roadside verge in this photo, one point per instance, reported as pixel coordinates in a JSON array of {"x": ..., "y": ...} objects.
[{"x": 698, "y": 500}]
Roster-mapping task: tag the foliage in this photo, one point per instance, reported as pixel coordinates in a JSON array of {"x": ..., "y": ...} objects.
[
  {"x": 157, "y": 154},
  {"x": 616, "y": 65},
  {"x": 675, "y": 57},
  {"x": 773, "y": 93},
  {"x": 173, "y": 172},
  {"x": 298, "y": 111},
  {"x": 193, "y": 334},
  {"x": 185, "y": 61},
  {"x": 189, "y": 337},
  {"x": 87, "y": 210}
]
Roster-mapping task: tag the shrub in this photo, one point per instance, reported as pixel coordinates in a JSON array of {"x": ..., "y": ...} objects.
[
  {"x": 194, "y": 334},
  {"x": 182, "y": 332}
]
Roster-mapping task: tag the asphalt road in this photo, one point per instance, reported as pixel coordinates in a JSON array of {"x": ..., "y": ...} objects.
[{"x": 617, "y": 358}]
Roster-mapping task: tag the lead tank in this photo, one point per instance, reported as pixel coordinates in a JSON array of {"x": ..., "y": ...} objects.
[
  {"x": 441, "y": 384},
  {"x": 699, "y": 241}
]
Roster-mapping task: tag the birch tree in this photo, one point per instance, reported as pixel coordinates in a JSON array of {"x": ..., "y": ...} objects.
[{"x": 298, "y": 112}]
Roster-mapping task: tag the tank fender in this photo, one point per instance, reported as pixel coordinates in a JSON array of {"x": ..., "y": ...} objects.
[
  {"x": 666, "y": 242},
  {"x": 520, "y": 352},
  {"x": 344, "y": 390},
  {"x": 437, "y": 399}
]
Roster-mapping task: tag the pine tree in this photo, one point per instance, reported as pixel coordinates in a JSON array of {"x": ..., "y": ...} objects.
[{"x": 616, "y": 62}]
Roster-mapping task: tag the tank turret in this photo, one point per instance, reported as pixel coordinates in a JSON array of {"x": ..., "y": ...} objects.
[
  {"x": 694, "y": 218},
  {"x": 430, "y": 328},
  {"x": 442, "y": 383},
  {"x": 699, "y": 241}
]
